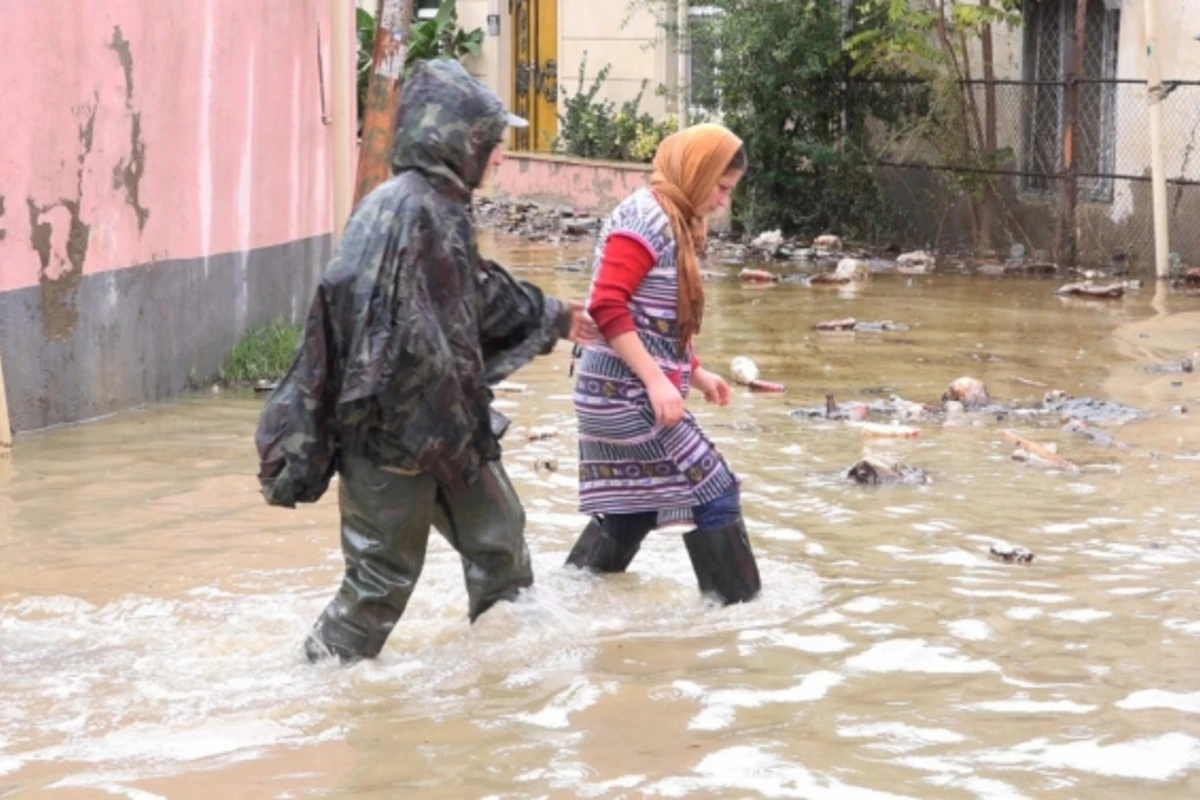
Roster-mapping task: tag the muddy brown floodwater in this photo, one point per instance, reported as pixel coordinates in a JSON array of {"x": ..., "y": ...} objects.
[{"x": 152, "y": 607}]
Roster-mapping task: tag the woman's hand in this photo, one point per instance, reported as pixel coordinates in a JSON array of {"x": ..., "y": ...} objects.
[
  {"x": 583, "y": 329},
  {"x": 714, "y": 387},
  {"x": 666, "y": 401}
]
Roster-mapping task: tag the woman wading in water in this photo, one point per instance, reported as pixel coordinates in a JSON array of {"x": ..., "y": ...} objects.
[{"x": 641, "y": 453}]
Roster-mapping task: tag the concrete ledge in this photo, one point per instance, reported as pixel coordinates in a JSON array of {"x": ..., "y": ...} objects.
[
  {"x": 585, "y": 185},
  {"x": 145, "y": 332}
]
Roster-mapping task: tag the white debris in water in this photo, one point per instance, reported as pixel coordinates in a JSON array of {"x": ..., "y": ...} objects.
[
  {"x": 1158, "y": 698},
  {"x": 917, "y": 655}
]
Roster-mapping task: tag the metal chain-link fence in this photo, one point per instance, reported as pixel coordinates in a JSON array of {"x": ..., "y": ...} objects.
[{"x": 979, "y": 166}]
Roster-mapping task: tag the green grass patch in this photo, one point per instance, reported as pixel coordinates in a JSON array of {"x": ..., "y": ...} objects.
[{"x": 265, "y": 353}]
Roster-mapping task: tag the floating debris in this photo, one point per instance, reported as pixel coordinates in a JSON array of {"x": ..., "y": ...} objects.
[
  {"x": 1087, "y": 289},
  {"x": 743, "y": 370},
  {"x": 971, "y": 392},
  {"x": 266, "y": 386},
  {"x": 915, "y": 263},
  {"x": 872, "y": 430},
  {"x": 1035, "y": 454},
  {"x": 828, "y": 243},
  {"x": 1170, "y": 367},
  {"x": 836, "y": 325},
  {"x": 547, "y": 464},
  {"x": 1091, "y": 411},
  {"x": 541, "y": 433},
  {"x": 507, "y": 387},
  {"x": 877, "y": 470},
  {"x": 1096, "y": 437},
  {"x": 1010, "y": 553},
  {"x": 757, "y": 276}
]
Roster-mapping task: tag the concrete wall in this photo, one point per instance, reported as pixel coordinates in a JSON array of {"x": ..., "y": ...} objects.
[
  {"x": 164, "y": 182},
  {"x": 593, "y": 187}
]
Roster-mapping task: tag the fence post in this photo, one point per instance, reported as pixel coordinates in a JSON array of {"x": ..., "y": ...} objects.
[
  {"x": 383, "y": 94},
  {"x": 1068, "y": 189},
  {"x": 1158, "y": 177}
]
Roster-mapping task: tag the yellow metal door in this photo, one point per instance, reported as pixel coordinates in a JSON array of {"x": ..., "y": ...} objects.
[{"x": 535, "y": 72}]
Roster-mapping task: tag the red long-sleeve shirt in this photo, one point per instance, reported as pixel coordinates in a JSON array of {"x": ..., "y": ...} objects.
[{"x": 625, "y": 263}]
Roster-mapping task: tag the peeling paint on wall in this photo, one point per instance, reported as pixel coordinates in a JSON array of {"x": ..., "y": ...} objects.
[
  {"x": 62, "y": 257},
  {"x": 128, "y": 172}
]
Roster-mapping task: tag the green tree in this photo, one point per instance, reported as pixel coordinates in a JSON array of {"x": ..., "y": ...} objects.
[{"x": 934, "y": 41}]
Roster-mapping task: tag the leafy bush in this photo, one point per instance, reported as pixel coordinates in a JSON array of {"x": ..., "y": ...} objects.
[{"x": 591, "y": 128}]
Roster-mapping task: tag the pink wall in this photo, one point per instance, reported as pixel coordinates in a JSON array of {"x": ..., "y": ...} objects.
[{"x": 143, "y": 130}]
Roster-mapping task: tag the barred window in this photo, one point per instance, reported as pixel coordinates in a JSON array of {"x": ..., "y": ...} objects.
[
  {"x": 704, "y": 95},
  {"x": 1048, "y": 28}
]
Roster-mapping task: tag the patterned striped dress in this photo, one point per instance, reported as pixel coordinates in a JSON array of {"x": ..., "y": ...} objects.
[{"x": 628, "y": 463}]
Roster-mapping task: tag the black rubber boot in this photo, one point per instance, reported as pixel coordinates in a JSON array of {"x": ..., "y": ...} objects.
[
  {"x": 597, "y": 551},
  {"x": 724, "y": 563}
]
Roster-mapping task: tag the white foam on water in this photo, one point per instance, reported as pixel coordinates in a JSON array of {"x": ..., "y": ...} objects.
[
  {"x": 1158, "y": 698},
  {"x": 749, "y": 769},
  {"x": 1159, "y": 758},
  {"x": 820, "y": 643},
  {"x": 1081, "y": 615},
  {"x": 867, "y": 605},
  {"x": 917, "y": 655},
  {"x": 898, "y": 737},
  {"x": 1032, "y": 707},
  {"x": 971, "y": 630},
  {"x": 719, "y": 706},
  {"x": 582, "y": 694}
]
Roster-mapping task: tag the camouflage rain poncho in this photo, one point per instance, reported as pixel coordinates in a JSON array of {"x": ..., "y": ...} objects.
[{"x": 409, "y": 326}]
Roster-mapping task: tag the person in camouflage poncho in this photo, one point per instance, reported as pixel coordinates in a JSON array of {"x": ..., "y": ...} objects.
[{"x": 390, "y": 387}]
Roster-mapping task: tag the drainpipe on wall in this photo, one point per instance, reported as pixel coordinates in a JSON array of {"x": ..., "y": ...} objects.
[
  {"x": 1154, "y": 97},
  {"x": 383, "y": 94},
  {"x": 342, "y": 49},
  {"x": 5, "y": 428}
]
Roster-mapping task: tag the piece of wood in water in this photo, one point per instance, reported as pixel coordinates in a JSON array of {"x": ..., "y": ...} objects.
[
  {"x": 837, "y": 324},
  {"x": 874, "y": 430},
  {"x": 1039, "y": 450}
]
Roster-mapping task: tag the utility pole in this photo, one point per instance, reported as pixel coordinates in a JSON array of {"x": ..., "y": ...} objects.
[
  {"x": 392, "y": 19},
  {"x": 1158, "y": 176}
]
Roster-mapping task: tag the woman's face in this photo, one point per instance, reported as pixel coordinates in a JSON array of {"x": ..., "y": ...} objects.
[{"x": 719, "y": 198}]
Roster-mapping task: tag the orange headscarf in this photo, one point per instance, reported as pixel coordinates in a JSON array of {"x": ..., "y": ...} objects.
[{"x": 687, "y": 167}]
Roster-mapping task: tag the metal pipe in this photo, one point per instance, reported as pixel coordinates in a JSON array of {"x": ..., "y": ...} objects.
[
  {"x": 342, "y": 54},
  {"x": 5, "y": 427},
  {"x": 1154, "y": 98}
]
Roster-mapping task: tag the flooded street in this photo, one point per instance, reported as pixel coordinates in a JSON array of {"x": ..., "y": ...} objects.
[{"x": 152, "y": 607}]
